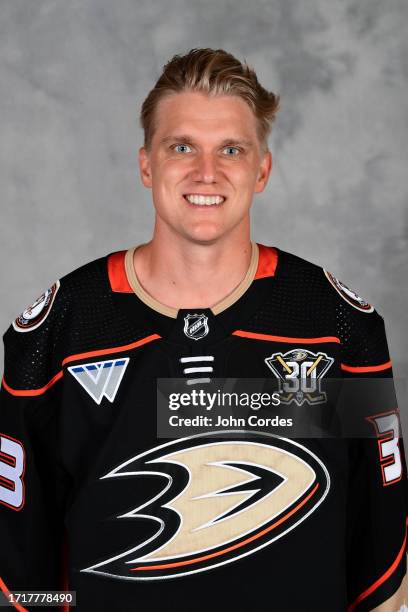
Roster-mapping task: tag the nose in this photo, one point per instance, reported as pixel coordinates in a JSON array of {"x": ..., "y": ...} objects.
[{"x": 205, "y": 170}]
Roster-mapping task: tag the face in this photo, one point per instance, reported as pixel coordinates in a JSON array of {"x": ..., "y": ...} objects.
[{"x": 206, "y": 147}]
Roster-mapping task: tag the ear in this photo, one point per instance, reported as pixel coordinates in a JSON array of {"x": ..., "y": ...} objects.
[
  {"x": 145, "y": 168},
  {"x": 264, "y": 172}
]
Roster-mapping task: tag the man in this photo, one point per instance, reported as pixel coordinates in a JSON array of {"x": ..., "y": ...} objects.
[{"x": 220, "y": 519}]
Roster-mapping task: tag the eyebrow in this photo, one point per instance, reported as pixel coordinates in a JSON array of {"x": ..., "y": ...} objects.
[{"x": 190, "y": 139}]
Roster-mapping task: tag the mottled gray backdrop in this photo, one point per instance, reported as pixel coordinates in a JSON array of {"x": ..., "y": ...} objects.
[{"x": 73, "y": 75}]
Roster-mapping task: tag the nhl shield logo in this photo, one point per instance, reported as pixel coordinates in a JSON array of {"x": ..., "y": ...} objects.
[{"x": 196, "y": 326}]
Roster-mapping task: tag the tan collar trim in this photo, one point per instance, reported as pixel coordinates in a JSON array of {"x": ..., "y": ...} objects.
[{"x": 172, "y": 312}]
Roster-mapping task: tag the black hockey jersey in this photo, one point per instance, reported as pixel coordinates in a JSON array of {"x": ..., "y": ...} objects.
[{"x": 93, "y": 500}]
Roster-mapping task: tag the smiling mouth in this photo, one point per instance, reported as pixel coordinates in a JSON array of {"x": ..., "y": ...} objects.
[{"x": 204, "y": 200}]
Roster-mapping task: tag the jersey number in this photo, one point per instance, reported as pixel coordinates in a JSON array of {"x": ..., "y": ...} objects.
[
  {"x": 12, "y": 463},
  {"x": 387, "y": 428}
]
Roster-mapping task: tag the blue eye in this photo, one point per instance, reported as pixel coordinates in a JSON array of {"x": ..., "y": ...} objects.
[
  {"x": 178, "y": 146},
  {"x": 232, "y": 149}
]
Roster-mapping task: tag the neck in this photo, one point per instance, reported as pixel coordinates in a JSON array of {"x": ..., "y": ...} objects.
[{"x": 183, "y": 274}]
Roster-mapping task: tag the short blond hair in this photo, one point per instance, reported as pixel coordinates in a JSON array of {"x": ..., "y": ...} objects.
[{"x": 214, "y": 72}]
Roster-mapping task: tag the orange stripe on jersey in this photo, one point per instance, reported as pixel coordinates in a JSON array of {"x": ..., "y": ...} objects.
[
  {"x": 6, "y": 592},
  {"x": 384, "y": 577},
  {"x": 271, "y": 338},
  {"x": 234, "y": 546},
  {"x": 267, "y": 261},
  {"x": 116, "y": 349},
  {"x": 96, "y": 353},
  {"x": 40, "y": 391},
  {"x": 357, "y": 369},
  {"x": 117, "y": 273}
]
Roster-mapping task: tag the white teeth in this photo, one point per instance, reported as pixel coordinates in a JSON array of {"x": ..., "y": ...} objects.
[{"x": 204, "y": 200}]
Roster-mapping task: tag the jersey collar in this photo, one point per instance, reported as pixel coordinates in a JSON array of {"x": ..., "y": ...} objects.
[{"x": 225, "y": 303}]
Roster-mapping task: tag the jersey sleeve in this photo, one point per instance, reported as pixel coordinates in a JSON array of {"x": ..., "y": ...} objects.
[
  {"x": 377, "y": 505},
  {"x": 33, "y": 484}
]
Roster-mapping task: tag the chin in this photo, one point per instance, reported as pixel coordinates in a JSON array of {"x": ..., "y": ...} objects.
[{"x": 205, "y": 237}]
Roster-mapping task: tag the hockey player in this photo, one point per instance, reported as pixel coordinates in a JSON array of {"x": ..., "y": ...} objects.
[{"x": 95, "y": 501}]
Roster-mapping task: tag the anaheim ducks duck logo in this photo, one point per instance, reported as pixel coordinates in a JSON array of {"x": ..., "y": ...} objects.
[{"x": 218, "y": 501}]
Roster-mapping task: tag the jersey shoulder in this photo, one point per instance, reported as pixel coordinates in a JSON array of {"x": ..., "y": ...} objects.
[
  {"x": 38, "y": 339},
  {"x": 317, "y": 283},
  {"x": 334, "y": 308}
]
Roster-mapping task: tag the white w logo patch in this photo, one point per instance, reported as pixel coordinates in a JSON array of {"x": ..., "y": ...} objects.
[{"x": 101, "y": 378}]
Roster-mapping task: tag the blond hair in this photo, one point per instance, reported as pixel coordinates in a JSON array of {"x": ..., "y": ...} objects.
[{"x": 214, "y": 72}]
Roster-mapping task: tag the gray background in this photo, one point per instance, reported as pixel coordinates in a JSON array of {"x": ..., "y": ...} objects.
[{"x": 74, "y": 74}]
